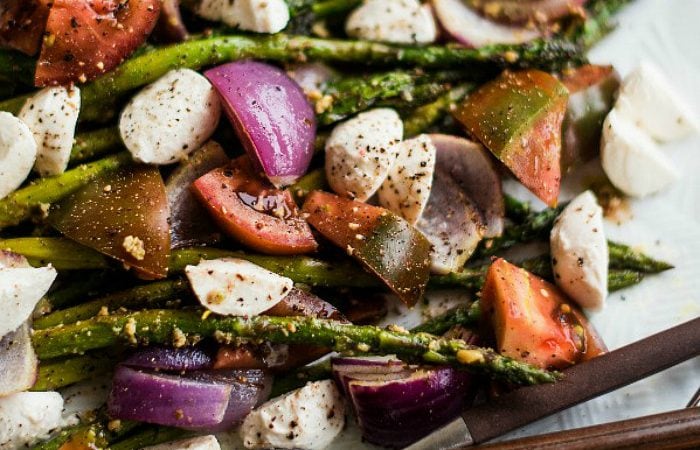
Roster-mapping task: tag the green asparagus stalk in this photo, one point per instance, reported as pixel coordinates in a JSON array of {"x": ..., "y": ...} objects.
[
  {"x": 23, "y": 203},
  {"x": 74, "y": 292},
  {"x": 332, "y": 8},
  {"x": 598, "y": 22},
  {"x": 349, "y": 95},
  {"x": 147, "y": 296},
  {"x": 92, "y": 432},
  {"x": 160, "y": 327},
  {"x": 62, "y": 253},
  {"x": 461, "y": 315},
  {"x": 16, "y": 67},
  {"x": 624, "y": 257},
  {"x": 426, "y": 116},
  {"x": 150, "y": 435},
  {"x": 98, "y": 97},
  {"x": 57, "y": 374},
  {"x": 312, "y": 181},
  {"x": 95, "y": 143}
]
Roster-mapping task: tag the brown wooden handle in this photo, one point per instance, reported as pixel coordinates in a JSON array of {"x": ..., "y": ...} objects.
[
  {"x": 673, "y": 430},
  {"x": 584, "y": 381}
]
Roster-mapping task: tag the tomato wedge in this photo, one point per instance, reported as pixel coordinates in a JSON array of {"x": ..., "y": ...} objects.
[
  {"x": 87, "y": 38},
  {"x": 22, "y": 24},
  {"x": 123, "y": 215},
  {"x": 518, "y": 117},
  {"x": 533, "y": 321},
  {"x": 250, "y": 209},
  {"x": 383, "y": 242}
]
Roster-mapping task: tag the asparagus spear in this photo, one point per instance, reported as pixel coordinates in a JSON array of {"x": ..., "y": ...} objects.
[
  {"x": 332, "y": 8},
  {"x": 74, "y": 292},
  {"x": 160, "y": 326},
  {"x": 93, "y": 433},
  {"x": 624, "y": 257},
  {"x": 57, "y": 374},
  {"x": 597, "y": 23},
  {"x": 62, "y": 253},
  {"x": 98, "y": 97},
  {"x": 150, "y": 435},
  {"x": 146, "y": 296},
  {"x": 21, "y": 204},
  {"x": 424, "y": 117},
  {"x": 95, "y": 143},
  {"x": 461, "y": 315},
  {"x": 356, "y": 93},
  {"x": 15, "y": 66}
]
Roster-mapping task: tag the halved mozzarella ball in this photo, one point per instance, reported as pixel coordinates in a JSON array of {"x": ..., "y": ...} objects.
[
  {"x": 170, "y": 118},
  {"x": 17, "y": 153},
  {"x": 632, "y": 161},
  {"x": 52, "y": 114},
  {"x": 28, "y": 417},
  {"x": 407, "y": 187},
  {"x": 308, "y": 418},
  {"x": 648, "y": 100},
  {"x": 17, "y": 353},
  {"x": 21, "y": 288},
  {"x": 361, "y": 151},
  {"x": 580, "y": 252},
  {"x": 236, "y": 287},
  {"x": 260, "y": 16},
  {"x": 208, "y": 442},
  {"x": 396, "y": 21}
]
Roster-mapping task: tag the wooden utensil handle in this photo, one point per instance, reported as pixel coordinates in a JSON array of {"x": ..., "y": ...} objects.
[{"x": 673, "y": 430}]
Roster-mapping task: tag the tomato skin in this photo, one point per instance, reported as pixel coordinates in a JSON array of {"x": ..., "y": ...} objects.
[
  {"x": 518, "y": 116},
  {"x": 22, "y": 24},
  {"x": 113, "y": 210},
  {"x": 87, "y": 38},
  {"x": 382, "y": 242},
  {"x": 222, "y": 192},
  {"x": 533, "y": 321}
]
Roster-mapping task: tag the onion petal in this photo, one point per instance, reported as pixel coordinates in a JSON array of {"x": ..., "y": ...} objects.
[{"x": 271, "y": 116}]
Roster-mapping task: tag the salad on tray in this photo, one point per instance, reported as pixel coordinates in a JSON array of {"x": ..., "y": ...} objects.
[{"x": 212, "y": 212}]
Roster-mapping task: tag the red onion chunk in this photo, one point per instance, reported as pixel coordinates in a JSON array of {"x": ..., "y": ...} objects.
[
  {"x": 472, "y": 167},
  {"x": 470, "y": 29},
  {"x": 190, "y": 223},
  {"x": 249, "y": 388},
  {"x": 519, "y": 11},
  {"x": 346, "y": 369},
  {"x": 171, "y": 359},
  {"x": 396, "y": 413},
  {"x": 271, "y": 116},
  {"x": 167, "y": 400}
]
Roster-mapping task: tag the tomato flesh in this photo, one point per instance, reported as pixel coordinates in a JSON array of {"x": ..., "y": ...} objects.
[
  {"x": 533, "y": 321},
  {"x": 87, "y": 38},
  {"x": 382, "y": 242},
  {"x": 248, "y": 208},
  {"x": 518, "y": 116},
  {"x": 22, "y": 24}
]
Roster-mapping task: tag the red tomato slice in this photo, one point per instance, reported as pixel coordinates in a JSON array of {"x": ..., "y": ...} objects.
[
  {"x": 22, "y": 24},
  {"x": 533, "y": 321},
  {"x": 86, "y": 38},
  {"x": 250, "y": 209}
]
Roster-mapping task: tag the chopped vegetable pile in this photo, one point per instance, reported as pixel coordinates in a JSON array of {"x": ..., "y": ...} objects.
[{"x": 209, "y": 206}]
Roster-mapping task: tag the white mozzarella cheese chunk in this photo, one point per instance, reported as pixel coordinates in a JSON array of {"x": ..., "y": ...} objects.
[
  {"x": 360, "y": 152},
  {"x": 17, "y": 153},
  {"x": 580, "y": 252},
  {"x": 16, "y": 352},
  {"x": 308, "y": 418},
  {"x": 407, "y": 187},
  {"x": 170, "y": 118},
  {"x": 21, "y": 288},
  {"x": 396, "y": 21},
  {"x": 631, "y": 160},
  {"x": 208, "y": 442},
  {"x": 52, "y": 114},
  {"x": 647, "y": 99},
  {"x": 260, "y": 16},
  {"x": 27, "y": 417},
  {"x": 236, "y": 287}
]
